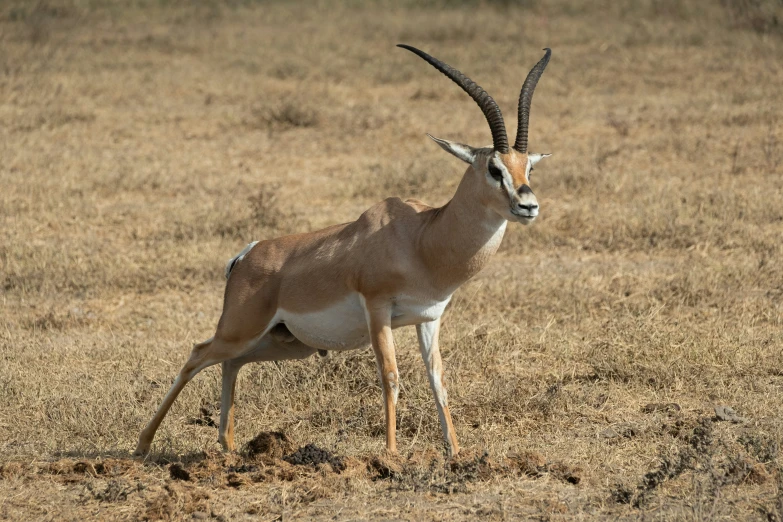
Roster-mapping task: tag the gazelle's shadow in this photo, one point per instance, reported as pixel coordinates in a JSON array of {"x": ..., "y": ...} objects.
[{"x": 163, "y": 458}]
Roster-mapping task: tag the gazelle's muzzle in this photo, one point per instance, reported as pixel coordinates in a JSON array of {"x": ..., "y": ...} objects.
[{"x": 524, "y": 203}]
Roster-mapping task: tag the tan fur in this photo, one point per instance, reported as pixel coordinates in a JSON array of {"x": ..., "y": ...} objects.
[
  {"x": 397, "y": 254},
  {"x": 396, "y": 248},
  {"x": 516, "y": 163}
]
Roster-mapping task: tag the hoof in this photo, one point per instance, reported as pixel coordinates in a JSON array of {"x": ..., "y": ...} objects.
[
  {"x": 227, "y": 446},
  {"x": 142, "y": 449}
]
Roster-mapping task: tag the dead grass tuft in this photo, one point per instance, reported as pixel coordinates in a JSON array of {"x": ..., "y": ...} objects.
[
  {"x": 39, "y": 16},
  {"x": 284, "y": 116}
]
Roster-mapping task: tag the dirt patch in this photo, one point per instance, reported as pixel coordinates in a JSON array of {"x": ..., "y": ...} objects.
[
  {"x": 426, "y": 471},
  {"x": 115, "y": 490},
  {"x": 711, "y": 460},
  {"x": 178, "y": 472},
  {"x": 431, "y": 471},
  {"x": 535, "y": 465},
  {"x": 312, "y": 455},
  {"x": 268, "y": 444},
  {"x": 566, "y": 472},
  {"x": 174, "y": 498},
  {"x": 528, "y": 463}
]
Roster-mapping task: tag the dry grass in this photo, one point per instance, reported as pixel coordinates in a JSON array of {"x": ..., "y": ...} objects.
[{"x": 142, "y": 147}]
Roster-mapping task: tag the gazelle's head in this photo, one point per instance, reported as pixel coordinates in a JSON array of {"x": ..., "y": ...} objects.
[{"x": 502, "y": 173}]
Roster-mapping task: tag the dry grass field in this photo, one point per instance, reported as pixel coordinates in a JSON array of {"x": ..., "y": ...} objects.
[{"x": 143, "y": 144}]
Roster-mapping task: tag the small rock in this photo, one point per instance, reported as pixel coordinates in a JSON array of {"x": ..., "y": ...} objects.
[
  {"x": 200, "y": 515},
  {"x": 725, "y": 413}
]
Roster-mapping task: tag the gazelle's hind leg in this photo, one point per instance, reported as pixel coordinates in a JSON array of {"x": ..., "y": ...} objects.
[
  {"x": 226, "y": 432},
  {"x": 248, "y": 315},
  {"x": 203, "y": 355},
  {"x": 271, "y": 347}
]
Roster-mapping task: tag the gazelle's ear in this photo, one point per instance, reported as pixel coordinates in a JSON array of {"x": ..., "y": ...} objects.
[
  {"x": 464, "y": 152},
  {"x": 535, "y": 158}
]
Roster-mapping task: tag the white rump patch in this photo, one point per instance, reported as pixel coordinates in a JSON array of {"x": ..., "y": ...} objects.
[{"x": 237, "y": 258}]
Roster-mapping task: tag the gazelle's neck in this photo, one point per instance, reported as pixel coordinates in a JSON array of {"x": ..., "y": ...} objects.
[{"x": 463, "y": 236}]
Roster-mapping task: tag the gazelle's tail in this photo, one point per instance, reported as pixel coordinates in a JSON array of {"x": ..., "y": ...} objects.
[{"x": 237, "y": 258}]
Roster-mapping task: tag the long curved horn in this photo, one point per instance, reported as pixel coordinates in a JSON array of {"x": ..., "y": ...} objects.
[
  {"x": 485, "y": 102},
  {"x": 525, "y": 97}
]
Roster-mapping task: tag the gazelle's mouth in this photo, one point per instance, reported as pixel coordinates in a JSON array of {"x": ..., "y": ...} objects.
[
  {"x": 525, "y": 219},
  {"x": 524, "y": 216}
]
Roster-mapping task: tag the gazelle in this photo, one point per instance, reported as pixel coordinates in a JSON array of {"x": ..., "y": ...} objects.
[{"x": 350, "y": 285}]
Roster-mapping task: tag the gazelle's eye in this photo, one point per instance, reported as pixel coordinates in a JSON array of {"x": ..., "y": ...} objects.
[{"x": 495, "y": 172}]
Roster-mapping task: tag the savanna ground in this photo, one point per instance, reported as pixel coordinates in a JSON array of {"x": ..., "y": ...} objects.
[{"x": 143, "y": 145}]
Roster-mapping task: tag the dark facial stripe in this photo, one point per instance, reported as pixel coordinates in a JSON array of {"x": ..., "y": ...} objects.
[{"x": 525, "y": 189}]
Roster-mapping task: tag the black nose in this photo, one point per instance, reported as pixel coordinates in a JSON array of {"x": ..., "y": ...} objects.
[
  {"x": 525, "y": 189},
  {"x": 529, "y": 207}
]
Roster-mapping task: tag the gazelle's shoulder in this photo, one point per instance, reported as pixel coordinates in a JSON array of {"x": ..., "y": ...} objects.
[
  {"x": 418, "y": 205},
  {"x": 388, "y": 210}
]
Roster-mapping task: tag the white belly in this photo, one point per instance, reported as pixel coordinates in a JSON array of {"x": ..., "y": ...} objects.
[
  {"x": 343, "y": 325},
  {"x": 409, "y": 310}
]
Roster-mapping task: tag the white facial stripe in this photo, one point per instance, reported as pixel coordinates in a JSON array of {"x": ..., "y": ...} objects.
[{"x": 507, "y": 181}]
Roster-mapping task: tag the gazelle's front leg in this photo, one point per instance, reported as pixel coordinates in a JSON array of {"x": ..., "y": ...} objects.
[
  {"x": 428, "y": 344},
  {"x": 379, "y": 322}
]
